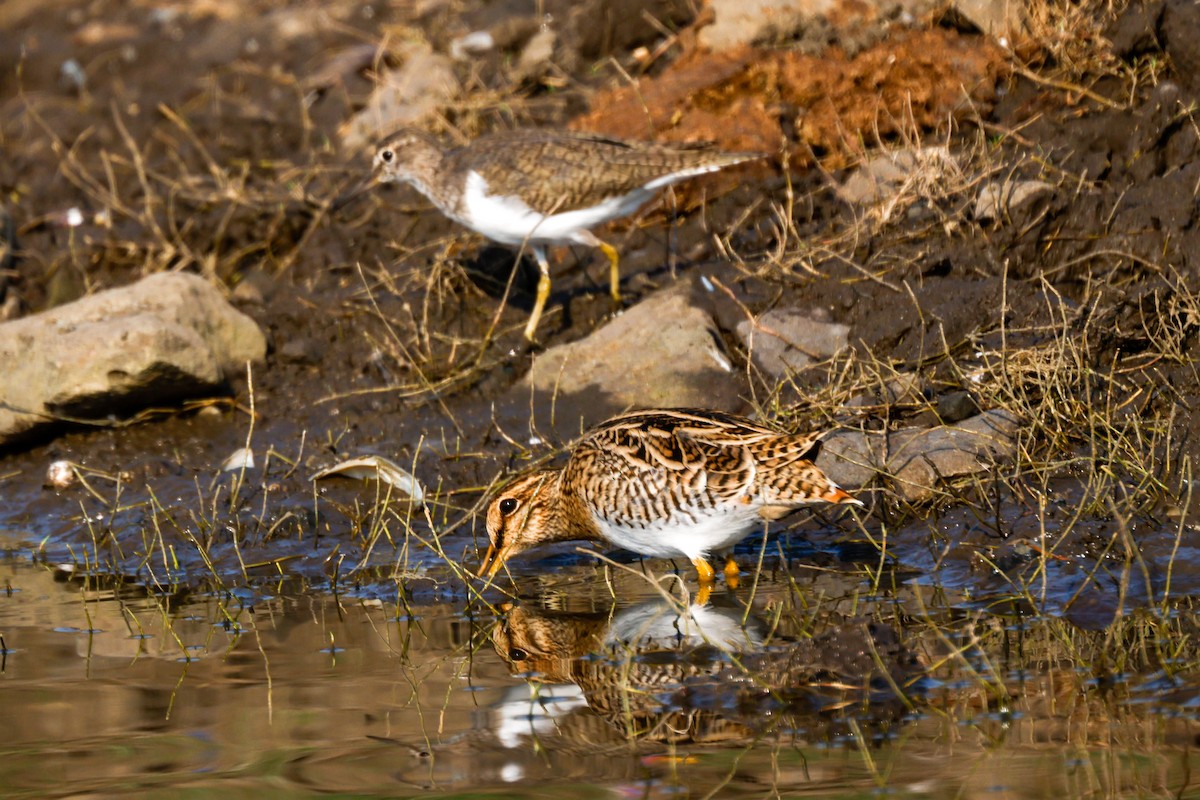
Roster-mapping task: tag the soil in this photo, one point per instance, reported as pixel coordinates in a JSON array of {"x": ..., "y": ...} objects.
[
  {"x": 256, "y": 631},
  {"x": 203, "y": 139}
]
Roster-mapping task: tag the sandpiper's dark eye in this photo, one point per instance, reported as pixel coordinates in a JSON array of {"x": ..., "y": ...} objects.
[
  {"x": 508, "y": 505},
  {"x": 386, "y": 156},
  {"x": 517, "y": 654}
]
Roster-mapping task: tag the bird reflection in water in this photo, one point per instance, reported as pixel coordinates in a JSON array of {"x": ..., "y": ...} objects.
[
  {"x": 663, "y": 672},
  {"x": 620, "y": 662}
]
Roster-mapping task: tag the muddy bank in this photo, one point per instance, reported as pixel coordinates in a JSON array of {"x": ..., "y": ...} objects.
[{"x": 1020, "y": 248}]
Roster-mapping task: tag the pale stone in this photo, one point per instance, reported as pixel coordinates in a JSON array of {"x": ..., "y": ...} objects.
[{"x": 168, "y": 336}]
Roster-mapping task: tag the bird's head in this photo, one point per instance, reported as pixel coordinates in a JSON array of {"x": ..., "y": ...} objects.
[
  {"x": 403, "y": 156},
  {"x": 407, "y": 156},
  {"x": 524, "y": 514}
]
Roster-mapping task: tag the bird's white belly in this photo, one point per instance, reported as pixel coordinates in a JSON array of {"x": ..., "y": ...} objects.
[
  {"x": 510, "y": 221},
  {"x": 712, "y": 533}
]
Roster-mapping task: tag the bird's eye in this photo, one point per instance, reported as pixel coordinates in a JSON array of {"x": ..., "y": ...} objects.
[
  {"x": 387, "y": 155},
  {"x": 517, "y": 654},
  {"x": 508, "y": 505}
]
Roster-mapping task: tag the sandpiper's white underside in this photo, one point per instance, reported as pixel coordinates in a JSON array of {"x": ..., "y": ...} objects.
[
  {"x": 509, "y": 220},
  {"x": 714, "y": 532}
]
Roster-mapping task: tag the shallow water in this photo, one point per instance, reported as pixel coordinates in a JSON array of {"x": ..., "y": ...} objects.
[{"x": 793, "y": 686}]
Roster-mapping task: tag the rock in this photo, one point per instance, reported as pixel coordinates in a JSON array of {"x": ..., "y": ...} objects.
[
  {"x": 59, "y": 475},
  {"x": 920, "y": 459},
  {"x": 737, "y": 22},
  {"x": 166, "y": 337},
  {"x": 662, "y": 352},
  {"x": 887, "y": 175},
  {"x": 1009, "y": 201},
  {"x": 72, "y": 77},
  {"x": 301, "y": 350},
  {"x": 917, "y": 459},
  {"x": 743, "y": 22},
  {"x": 240, "y": 459},
  {"x": 785, "y": 341},
  {"x": 1001, "y": 19},
  {"x": 876, "y": 179},
  {"x": 536, "y": 55},
  {"x": 956, "y": 406},
  {"x": 472, "y": 44},
  {"x": 851, "y": 459},
  {"x": 409, "y": 96}
]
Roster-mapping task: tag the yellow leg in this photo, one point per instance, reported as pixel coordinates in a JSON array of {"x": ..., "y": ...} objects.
[
  {"x": 731, "y": 572},
  {"x": 614, "y": 276},
  {"x": 705, "y": 571},
  {"x": 543, "y": 294}
]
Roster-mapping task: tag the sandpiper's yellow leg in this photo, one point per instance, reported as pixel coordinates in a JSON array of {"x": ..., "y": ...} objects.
[
  {"x": 731, "y": 572},
  {"x": 707, "y": 577},
  {"x": 543, "y": 294},
  {"x": 614, "y": 276}
]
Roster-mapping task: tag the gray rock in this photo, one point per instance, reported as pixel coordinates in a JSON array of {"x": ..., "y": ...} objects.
[
  {"x": 956, "y": 406},
  {"x": 891, "y": 175},
  {"x": 1003, "y": 20},
  {"x": 738, "y": 22},
  {"x": 302, "y": 350},
  {"x": 742, "y": 22},
  {"x": 471, "y": 44},
  {"x": 1003, "y": 201},
  {"x": 917, "y": 459},
  {"x": 851, "y": 459},
  {"x": 663, "y": 352},
  {"x": 536, "y": 56},
  {"x": 878, "y": 179},
  {"x": 920, "y": 459},
  {"x": 785, "y": 341},
  {"x": 159, "y": 340},
  {"x": 409, "y": 96}
]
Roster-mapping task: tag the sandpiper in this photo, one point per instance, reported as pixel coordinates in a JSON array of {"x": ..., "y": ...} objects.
[
  {"x": 664, "y": 483},
  {"x": 535, "y": 187}
]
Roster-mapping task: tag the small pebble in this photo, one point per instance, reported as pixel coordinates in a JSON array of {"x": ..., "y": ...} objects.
[
  {"x": 59, "y": 475},
  {"x": 72, "y": 75}
]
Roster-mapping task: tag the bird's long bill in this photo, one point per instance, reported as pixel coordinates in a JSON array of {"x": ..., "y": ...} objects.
[
  {"x": 492, "y": 563},
  {"x": 346, "y": 198}
]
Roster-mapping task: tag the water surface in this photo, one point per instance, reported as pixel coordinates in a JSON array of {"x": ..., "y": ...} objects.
[{"x": 788, "y": 687}]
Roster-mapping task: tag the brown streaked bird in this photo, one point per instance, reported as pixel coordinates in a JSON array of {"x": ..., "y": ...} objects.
[
  {"x": 534, "y": 187},
  {"x": 663, "y": 483}
]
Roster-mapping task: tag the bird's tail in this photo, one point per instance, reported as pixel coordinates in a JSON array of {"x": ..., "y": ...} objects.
[{"x": 836, "y": 494}]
